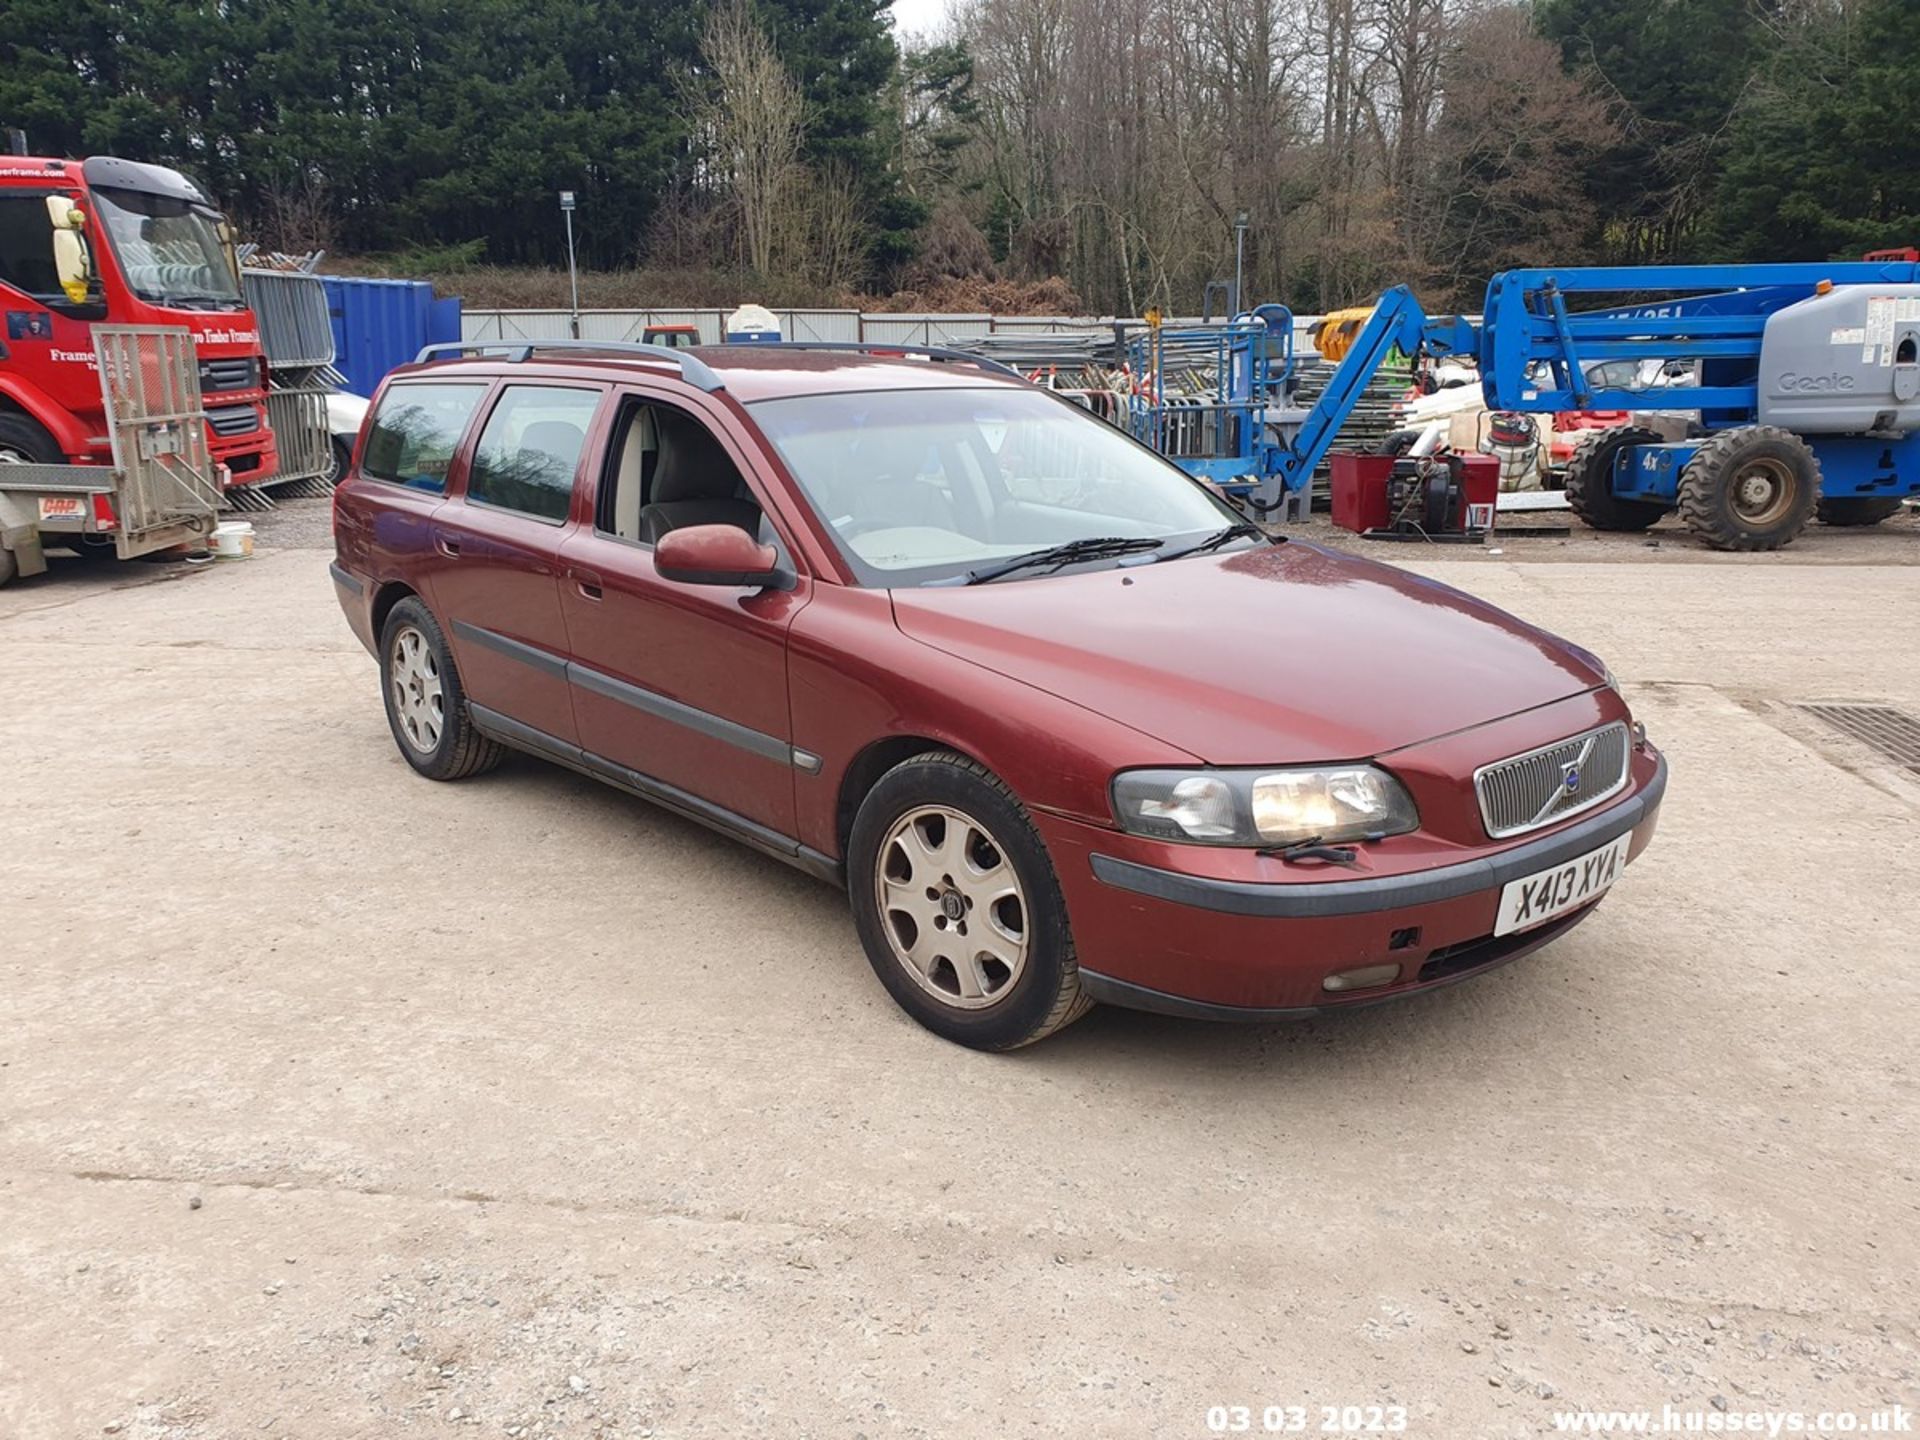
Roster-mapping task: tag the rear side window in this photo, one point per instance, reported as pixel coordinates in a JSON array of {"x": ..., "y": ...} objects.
[
  {"x": 530, "y": 448},
  {"x": 415, "y": 432}
]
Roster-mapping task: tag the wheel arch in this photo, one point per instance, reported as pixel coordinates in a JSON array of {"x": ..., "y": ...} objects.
[
  {"x": 863, "y": 772},
  {"x": 384, "y": 599}
]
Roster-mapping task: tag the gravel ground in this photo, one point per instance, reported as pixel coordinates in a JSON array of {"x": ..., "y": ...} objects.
[{"x": 334, "y": 1103}]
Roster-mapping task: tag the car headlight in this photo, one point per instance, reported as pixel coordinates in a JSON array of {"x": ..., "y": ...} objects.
[{"x": 1263, "y": 807}]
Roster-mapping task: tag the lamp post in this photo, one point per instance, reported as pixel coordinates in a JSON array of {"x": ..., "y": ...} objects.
[
  {"x": 1239, "y": 256},
  {"x": 573, "y": 275}
]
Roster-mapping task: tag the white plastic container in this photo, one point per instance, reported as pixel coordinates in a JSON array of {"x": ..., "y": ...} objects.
[{"x": 233, "y": 539}]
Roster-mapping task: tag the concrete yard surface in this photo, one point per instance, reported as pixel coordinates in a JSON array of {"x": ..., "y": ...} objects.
[{"x": 335, "y": 1103}]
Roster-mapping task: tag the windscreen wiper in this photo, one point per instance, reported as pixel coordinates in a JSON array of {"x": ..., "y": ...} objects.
[
  {"x": 1096, "y": 547},
  {"x": 1244, "y": 530}
]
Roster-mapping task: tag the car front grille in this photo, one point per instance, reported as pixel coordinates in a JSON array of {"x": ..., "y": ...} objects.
[
  {"x": 218, "y": 375},
  {"x": 234, "y": 420},
  {"x": 1543, "y": 786}
]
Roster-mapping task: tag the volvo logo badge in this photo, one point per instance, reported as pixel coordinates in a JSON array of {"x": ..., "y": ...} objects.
[{"x": 1570, "y": 778}]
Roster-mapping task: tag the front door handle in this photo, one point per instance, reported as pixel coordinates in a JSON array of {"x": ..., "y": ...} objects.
[{"x": 587, "y": 583}]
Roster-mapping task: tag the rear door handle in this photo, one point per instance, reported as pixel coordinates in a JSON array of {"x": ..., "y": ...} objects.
[
  {"x": 587, "y": 583},
  {"x": 449, "y": 548}
]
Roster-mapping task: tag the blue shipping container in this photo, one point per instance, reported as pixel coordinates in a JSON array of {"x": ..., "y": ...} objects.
[{"x": 378, "y": 324}]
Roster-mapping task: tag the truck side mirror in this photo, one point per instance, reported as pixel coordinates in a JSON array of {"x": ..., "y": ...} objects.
[{"x": 72, "y": 263}]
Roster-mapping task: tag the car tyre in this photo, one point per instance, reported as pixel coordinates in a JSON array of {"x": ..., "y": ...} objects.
[
  {"x": 1589, "y": 482},
  {"x": 958, "y": 907},
  {"x": 426, "y": 706},
  {"x": 1753, "y": 488},
  {"x": 342, "y": 452}
]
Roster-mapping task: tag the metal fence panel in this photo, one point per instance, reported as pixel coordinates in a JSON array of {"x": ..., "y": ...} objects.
[
  {"x": 292, "y": 309},
  {"x": 298, "y": 416}
]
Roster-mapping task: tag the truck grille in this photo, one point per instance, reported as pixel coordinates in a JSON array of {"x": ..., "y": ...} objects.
[
  {"x": 239, "y": 374},
  {"x": 234, "y": 420},
  {"x": 1527, "y": 791}
]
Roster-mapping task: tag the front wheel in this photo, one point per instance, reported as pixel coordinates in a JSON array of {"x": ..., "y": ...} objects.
[
  {"x": 426, "y": 706},
  {"x": 958, "y": 908},
  {"x": 1750, "y": 489},
  {"x": 341, "y": 453}
]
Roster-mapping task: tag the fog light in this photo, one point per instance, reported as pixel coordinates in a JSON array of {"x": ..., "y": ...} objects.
[{"x": 1362, "y": 979}]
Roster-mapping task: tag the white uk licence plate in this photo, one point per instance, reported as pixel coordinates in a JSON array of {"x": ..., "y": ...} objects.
[{"x": 1539, "y": 897}]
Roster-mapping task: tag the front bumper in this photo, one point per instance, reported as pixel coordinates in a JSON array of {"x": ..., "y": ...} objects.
[{"x": 1156, "y": 938}]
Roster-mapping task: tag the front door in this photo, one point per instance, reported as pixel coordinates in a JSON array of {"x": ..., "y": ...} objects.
[
  {"x": 499, "y": 540},
  {"x": 685, "y": 684}
]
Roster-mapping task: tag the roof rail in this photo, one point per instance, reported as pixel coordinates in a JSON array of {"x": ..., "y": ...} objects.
[
  {"x": 695, "y": 371},
  {"x": 882, "y": 347}
]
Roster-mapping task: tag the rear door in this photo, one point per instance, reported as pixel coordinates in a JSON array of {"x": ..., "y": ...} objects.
[
  {"x": 383, "y": 514},
  {"x": 684, "y": 684},
  {"x": 499, "y": 541}
]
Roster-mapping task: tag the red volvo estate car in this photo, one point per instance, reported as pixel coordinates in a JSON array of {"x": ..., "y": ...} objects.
[{"x": 1065, "y": 727}]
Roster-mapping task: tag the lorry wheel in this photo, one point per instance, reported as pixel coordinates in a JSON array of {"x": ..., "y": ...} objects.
[
  {"x": 1870, "y": 510},
  {"x": 1590, "y": 481},
  {"x": 1750, "y": 489},
  {"x": 25, "y": 442}
]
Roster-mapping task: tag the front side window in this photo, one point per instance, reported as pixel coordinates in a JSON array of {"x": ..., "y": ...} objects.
[
  {"x": 530, "y": 448},
  {"x": 170, "y": 250},
  {"x": 922, "y": 485},
  {"x": 26, "y": 248},
  {"x": 415, "y": 431}
]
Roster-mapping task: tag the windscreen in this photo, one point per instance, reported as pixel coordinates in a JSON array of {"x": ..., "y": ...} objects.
[
  {"x": 169, "y": 250},
  {"x": 921, "y": 485}
]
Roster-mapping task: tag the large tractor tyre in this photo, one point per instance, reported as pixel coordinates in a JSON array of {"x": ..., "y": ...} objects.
[
  {"x": 26, "y": 442},
  {"x": 426, "y": 704},
  {"x": 1397, "y": 443},
  {"x": 958, "y": 908},
  {"x": 1589, "y": 485},
  {"x": 1870, "y": 510},
  {"x": 1750, "y": 489}
]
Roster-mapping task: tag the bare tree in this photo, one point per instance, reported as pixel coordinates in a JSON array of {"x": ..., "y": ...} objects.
[{"x": 753, "y": 117}]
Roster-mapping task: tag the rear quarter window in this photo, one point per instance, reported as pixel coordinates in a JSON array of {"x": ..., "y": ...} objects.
[{"x": 415, "y": 431}]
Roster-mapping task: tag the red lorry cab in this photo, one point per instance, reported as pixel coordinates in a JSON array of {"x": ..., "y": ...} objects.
[{"x": 151, "y": 251}]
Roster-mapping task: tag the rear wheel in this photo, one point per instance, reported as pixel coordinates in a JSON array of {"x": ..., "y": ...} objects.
[
  {"x": 1750, "y": 489},
  {"x": 426, "y": 706},
  {"x": 958, "y": 908},
  {"x": 1857, "y": 511},
  {"x": 1590, "y": 481}
]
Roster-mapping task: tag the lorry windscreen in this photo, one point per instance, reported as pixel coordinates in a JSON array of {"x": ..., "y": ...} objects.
[{"x": 169, "y": 250}]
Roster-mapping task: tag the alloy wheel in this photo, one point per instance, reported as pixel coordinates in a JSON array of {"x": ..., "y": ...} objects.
[
  {"x": 953, "y": 910},
  {"x": 418, "y": 701}
]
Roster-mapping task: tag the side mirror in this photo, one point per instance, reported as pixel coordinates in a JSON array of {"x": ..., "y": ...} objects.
[
  {"x": 717, "y": 555},
  {"x": 72, "y": 265}
]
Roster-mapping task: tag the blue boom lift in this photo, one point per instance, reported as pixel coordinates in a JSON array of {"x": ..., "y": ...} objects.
[{"x": 1806, "y": 379}]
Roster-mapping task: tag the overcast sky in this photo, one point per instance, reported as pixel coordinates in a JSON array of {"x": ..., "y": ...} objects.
[{"x": 913, "y": 18}]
